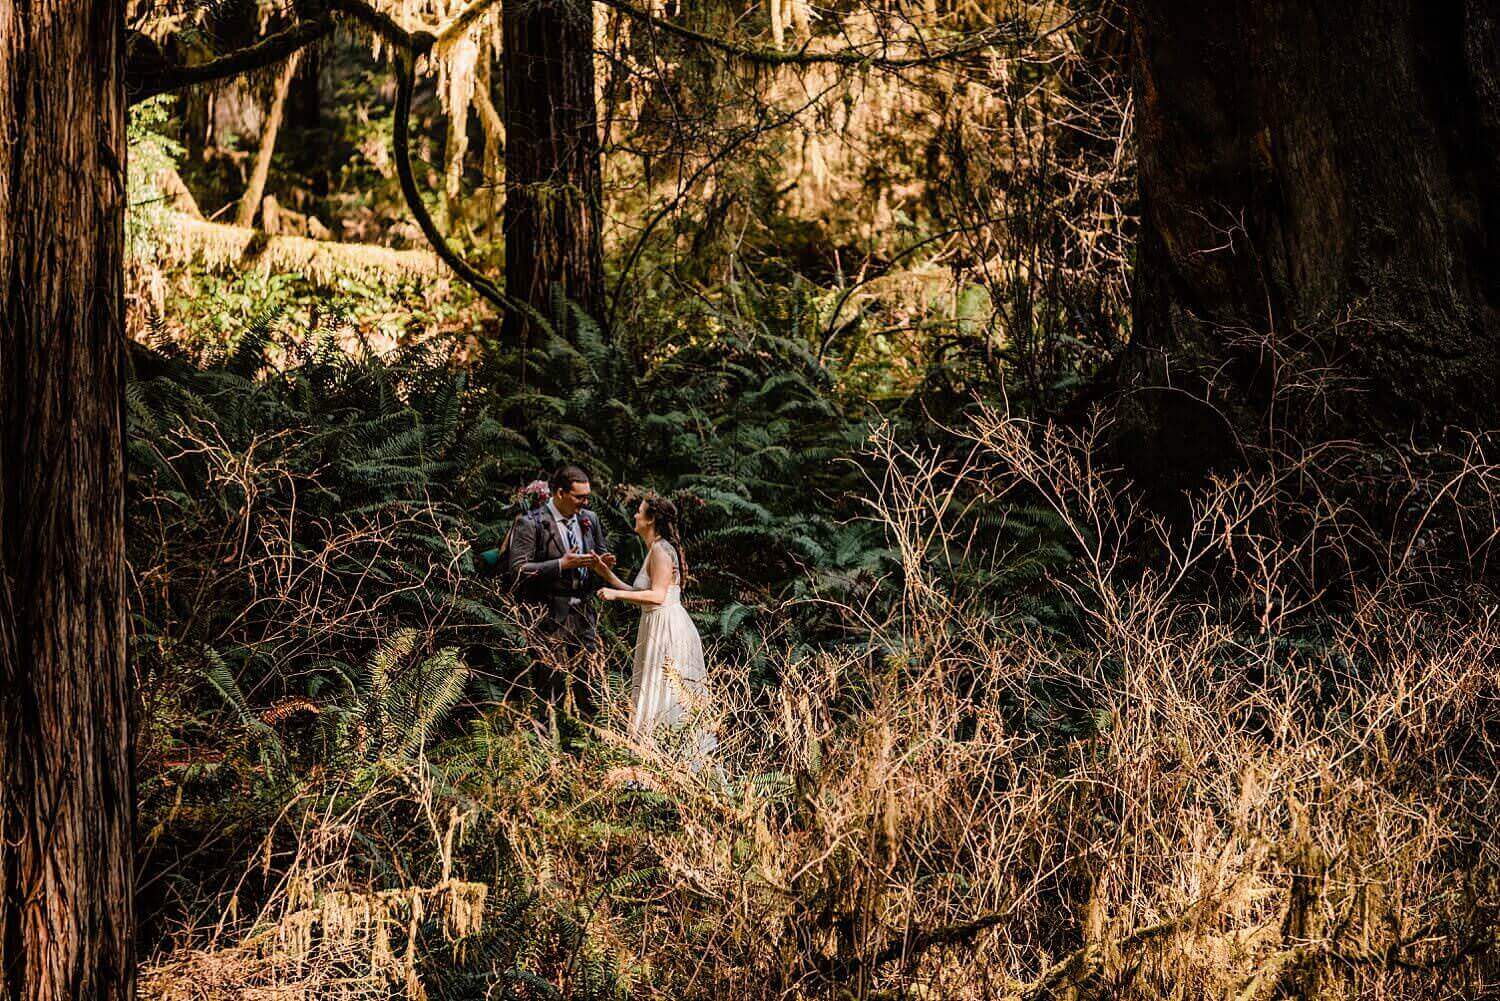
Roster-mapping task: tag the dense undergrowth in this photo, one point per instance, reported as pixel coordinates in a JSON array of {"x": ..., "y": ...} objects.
[
  {"x": 986, "y": 730},
  {"x": 1018, "y": 740}
]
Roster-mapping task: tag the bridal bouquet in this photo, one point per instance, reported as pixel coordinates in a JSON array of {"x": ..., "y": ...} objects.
[{"x": 533, "y": 495}]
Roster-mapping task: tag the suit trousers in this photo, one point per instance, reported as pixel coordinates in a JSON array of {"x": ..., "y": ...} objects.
[{"x": 566, "y": 655}]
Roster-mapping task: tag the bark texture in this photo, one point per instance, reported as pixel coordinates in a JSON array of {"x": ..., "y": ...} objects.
[
  {"x": 66, "y": 802},
  {"x": 1320, "y": 180},
  {"x": 552, "y": 182}
]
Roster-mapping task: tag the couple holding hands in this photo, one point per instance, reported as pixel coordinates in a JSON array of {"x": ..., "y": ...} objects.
[{"x": 559, "y": 558}]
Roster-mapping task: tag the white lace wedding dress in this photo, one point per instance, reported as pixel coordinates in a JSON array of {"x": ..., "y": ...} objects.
[{"x": 668, "y": 697}]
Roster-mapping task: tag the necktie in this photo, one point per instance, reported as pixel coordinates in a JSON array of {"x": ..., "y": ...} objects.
[{"x": 573, "y": 545}]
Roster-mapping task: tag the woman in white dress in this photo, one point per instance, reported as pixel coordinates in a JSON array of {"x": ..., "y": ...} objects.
[{"x": 668, "y": 682}]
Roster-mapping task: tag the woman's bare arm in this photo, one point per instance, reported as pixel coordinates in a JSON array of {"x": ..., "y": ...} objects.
[
  {"x": 658, "y": 570},
  {"x": 606, "y": 573}
]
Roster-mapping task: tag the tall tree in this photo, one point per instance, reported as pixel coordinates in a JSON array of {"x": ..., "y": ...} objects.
[
  {"x": 66, "y": 802},
  {"x": 1320, "y": 179},
  {"x": 553, "y": 192}
]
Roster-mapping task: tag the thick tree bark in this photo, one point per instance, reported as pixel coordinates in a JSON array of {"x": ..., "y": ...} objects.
[
  {"x": 1320, "y": 182},
  {"x": 66, "y": 800},
  {"x": 552, "y": 183}
]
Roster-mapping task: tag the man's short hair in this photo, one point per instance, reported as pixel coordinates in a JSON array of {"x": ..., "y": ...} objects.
[{"x": 568, "y": 475}]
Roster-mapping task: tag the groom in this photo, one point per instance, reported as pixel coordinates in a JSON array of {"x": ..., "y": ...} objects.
[{"x": 552, "y": 549}]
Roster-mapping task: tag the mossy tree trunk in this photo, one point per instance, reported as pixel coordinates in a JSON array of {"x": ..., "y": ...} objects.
[
  {"x": 66, "y": 798},
  {"x": 553, "y": 193},
  {"x": 1320, "y": 184}
]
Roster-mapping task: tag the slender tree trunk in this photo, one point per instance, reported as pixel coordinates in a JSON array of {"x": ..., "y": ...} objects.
[
  {"x": 552, "y": 183},
  {"x": 256, "y": 190},
  {"x": 66, "y": 797},
  {"x": 1320, "y": 184}
]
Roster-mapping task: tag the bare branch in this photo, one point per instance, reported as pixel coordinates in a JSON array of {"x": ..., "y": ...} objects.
[{"x": 1011, "y": 34}]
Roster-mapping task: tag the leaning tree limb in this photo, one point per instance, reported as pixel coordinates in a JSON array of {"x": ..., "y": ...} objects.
[
  {"x": 147, "y": 75},
  {"x": 256, "y": 188}
]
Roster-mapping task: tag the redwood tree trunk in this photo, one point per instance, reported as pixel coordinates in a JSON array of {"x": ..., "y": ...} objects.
[
  {"x": 66, "y": 800},
  {"x": 1320, "y": 180},
  {"x": 552, "y": 184}
]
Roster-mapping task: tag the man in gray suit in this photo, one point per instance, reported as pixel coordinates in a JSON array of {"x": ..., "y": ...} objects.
[{"x": 551, "y": 551}]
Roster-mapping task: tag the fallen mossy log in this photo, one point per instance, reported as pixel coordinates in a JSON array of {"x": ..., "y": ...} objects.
[{"x": 187, "y": 240}]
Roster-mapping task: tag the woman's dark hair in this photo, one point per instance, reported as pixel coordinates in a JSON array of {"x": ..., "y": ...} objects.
[
  {"x": 663, "y": 515},
  {"x": 568, "y": 475}
]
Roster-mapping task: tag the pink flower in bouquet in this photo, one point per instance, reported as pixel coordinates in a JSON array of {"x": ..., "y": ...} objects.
[{"x": 533, "y": 495}]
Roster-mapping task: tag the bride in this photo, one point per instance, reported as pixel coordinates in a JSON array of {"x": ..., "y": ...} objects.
[{"x": 668, "y": 681}]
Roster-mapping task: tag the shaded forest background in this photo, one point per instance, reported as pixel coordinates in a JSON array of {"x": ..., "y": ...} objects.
[{"x": 1085, "y": 470}]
